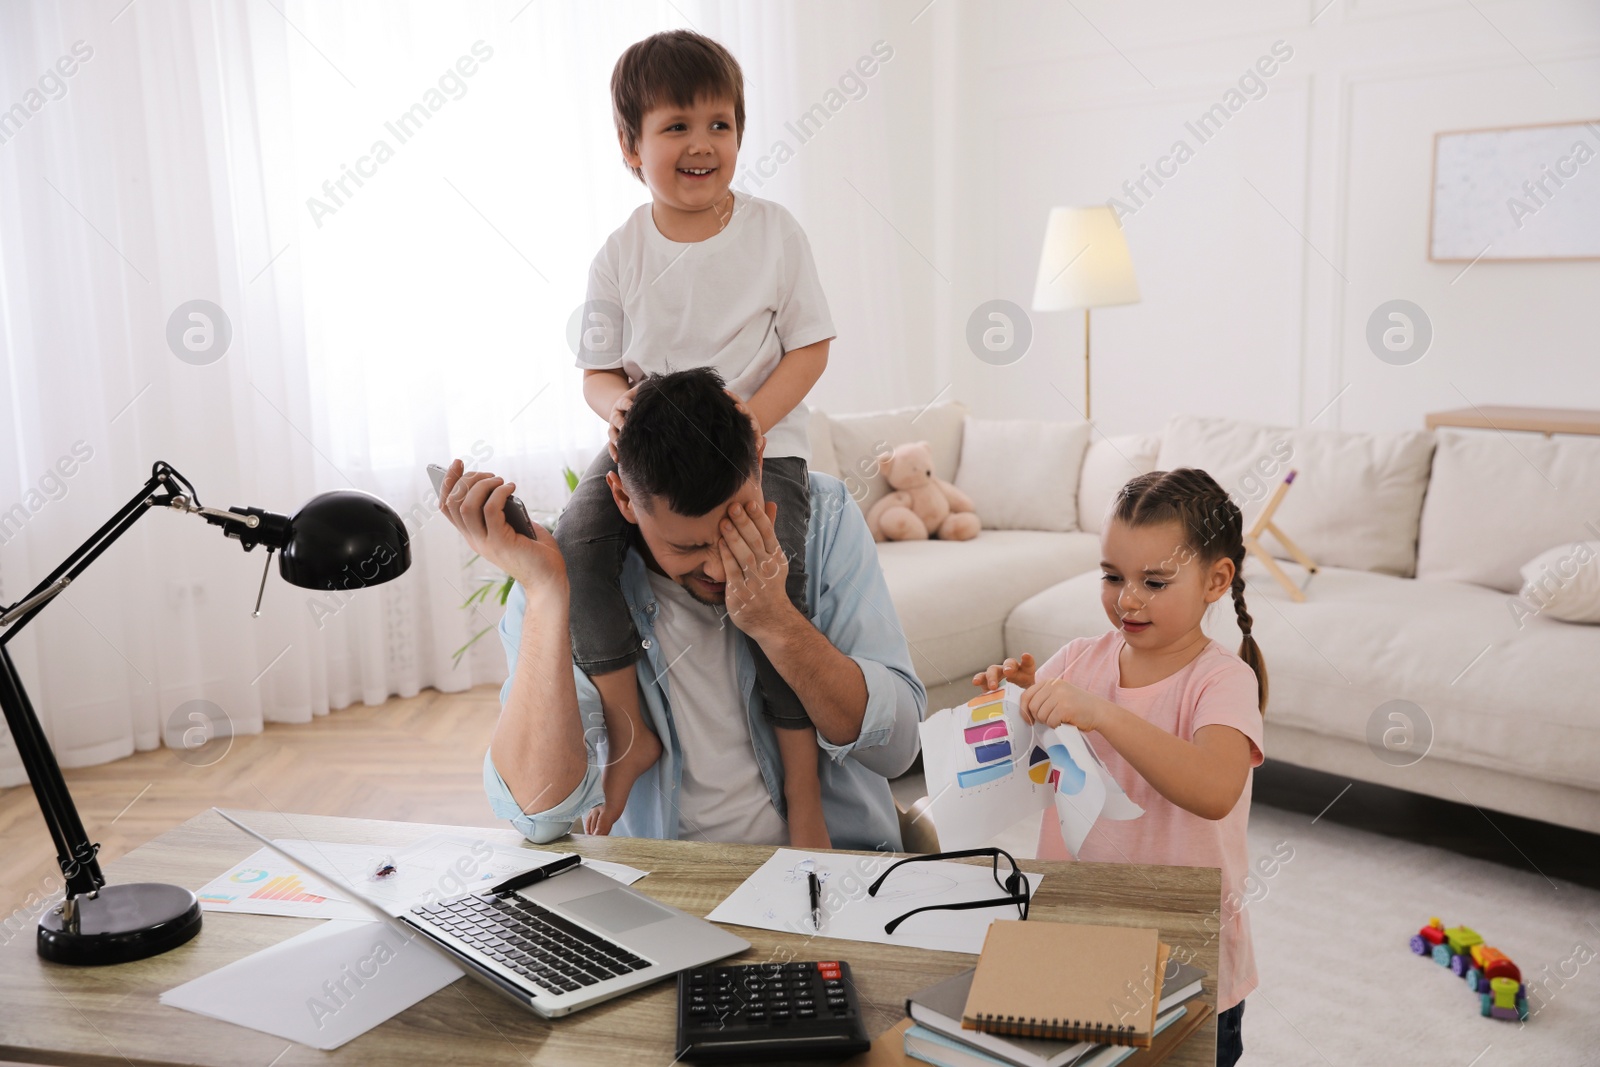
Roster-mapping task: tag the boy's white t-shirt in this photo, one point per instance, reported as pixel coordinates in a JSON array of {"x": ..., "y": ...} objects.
[{"x": 735, "y": 302}]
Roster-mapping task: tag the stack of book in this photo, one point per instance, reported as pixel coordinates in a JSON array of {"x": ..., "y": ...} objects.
[{"x": 1059, "y": 994}]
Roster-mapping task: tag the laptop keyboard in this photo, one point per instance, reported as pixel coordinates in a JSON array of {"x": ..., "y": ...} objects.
[{"x": 538, "y": 944}]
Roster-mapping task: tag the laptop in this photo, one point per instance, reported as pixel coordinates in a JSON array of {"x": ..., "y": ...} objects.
[{"x": 557, "y": 946}]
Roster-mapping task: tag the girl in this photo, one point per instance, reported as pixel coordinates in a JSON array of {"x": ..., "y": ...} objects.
[{"x": 1175, "y": 717}]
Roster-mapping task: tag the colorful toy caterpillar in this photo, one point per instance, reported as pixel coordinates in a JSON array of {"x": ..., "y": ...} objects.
[{"x": 1488, "y": 971}]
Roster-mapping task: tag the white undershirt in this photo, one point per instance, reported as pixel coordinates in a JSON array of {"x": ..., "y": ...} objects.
[{"x": 722, "y": 796}]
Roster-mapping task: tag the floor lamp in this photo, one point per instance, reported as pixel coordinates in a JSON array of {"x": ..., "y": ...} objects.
[
  {"x": 339, "y": 540},
  {"x": 1084, "y": 264}
]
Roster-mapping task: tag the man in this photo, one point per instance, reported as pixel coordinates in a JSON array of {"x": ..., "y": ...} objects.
[{"x": 719, "y": 776}]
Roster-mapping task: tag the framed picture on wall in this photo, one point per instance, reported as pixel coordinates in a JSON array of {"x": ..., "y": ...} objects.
[{"x": 1516, "y": 193}]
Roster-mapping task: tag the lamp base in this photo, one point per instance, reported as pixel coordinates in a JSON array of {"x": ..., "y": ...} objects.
[{"x": 120, "y": 923}]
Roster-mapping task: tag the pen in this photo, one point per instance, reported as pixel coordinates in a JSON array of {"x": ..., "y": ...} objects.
[
  {"x": 816, "y": 900},
  {"x": 538, "y": 874}
]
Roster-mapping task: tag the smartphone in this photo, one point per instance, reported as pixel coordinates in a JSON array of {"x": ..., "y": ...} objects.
[{"x": 516, "y": 515}]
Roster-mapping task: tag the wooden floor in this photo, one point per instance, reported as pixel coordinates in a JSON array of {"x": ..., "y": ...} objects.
[{"x": 415, "y": 759}]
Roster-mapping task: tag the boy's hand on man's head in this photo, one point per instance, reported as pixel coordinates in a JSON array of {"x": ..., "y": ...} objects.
[
  {"x": 744, "y": 409},
  {"x": 619, "y": 415}
]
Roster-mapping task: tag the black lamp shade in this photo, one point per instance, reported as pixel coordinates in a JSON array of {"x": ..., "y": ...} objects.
[{"x": 345, "y": 539}]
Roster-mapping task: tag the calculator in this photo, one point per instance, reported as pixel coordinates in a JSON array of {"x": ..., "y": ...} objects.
[{"x": 769, "y": 1011}]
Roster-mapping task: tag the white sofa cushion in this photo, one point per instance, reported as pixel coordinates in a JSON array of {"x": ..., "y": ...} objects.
[
  {"x": 1563, "y": 583},
  {"x": 1496, "y": 500},
  {"x": 1022, "y": 474},
  {"x": 1109, "y": 464},
  {"x": 953, "y": 597},
  {"x": 856, "y": 441},
  {"x": 1356, "y": 502},
  {"x": 1496, "y": 695}
]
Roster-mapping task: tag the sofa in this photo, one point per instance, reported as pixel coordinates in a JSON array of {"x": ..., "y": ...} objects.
[{"x": 1420, "y": 658}]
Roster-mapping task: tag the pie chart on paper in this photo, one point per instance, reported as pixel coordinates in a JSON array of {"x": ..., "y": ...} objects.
[{"x": 1072, "y": 775}]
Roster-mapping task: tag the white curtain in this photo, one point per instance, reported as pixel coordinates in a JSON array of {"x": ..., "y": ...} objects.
[{"x": 394, "y": 207}]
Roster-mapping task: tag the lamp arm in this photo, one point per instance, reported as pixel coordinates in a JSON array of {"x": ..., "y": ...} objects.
[
  {"x": 166, "y": 488},
  {"x": 75, "y": 854}
]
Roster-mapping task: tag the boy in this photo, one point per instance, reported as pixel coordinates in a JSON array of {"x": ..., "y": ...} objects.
[{"x": 700, "y": 276}]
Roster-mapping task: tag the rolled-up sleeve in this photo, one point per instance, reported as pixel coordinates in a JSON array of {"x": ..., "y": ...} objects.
[
  {"x": 545, "y": 825},
  {"x": 858, "y": 618},
  {"x": 559, "y": 820}
]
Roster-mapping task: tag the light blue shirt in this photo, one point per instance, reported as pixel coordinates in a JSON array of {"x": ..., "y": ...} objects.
[{"x": 850, "y": 607}]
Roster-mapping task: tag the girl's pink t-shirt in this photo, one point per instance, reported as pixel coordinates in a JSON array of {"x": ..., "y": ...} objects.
[{"x": 1216, "y": 688}]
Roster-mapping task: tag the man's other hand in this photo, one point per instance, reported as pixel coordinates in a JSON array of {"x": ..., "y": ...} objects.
[{"x": 755, "y": 569}]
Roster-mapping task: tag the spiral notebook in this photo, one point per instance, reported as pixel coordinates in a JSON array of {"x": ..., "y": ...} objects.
[{"x": 1067, "y": 982}]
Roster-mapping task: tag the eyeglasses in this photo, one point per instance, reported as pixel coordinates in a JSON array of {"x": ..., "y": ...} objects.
[{"x": 1014, "y": 885}]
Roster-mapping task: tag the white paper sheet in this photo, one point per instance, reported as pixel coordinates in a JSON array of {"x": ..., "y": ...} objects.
[
  {"x": 987, "y": 769},
  {"x": 267, "y": 884},
  {"x": 436, "y": 868},
  {"x": 777, "y": 897},
  {"x": 323, "y": 987},
  {"x": 621, "y": 872}
]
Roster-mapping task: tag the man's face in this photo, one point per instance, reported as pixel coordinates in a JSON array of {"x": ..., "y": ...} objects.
[
  {"x": 685, "y": 548},
  {"x": 688, "y": 155}
]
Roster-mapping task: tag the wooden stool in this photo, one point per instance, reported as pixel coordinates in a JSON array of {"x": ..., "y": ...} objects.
[{"x": 1264, "y": 524}]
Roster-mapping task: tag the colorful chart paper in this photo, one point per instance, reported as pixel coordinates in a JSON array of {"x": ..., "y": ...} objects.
[
  {"x": 1069, "y": 776},
  {"x": 981, "y": 785},
  {"x": 989, "y": 731}
]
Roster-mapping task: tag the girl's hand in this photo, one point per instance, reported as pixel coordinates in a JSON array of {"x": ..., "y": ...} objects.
[
  {"x": 1015, "y": 671},
  {"x": 1058, "y": 702},
  {"x": 619, "y": 415}
]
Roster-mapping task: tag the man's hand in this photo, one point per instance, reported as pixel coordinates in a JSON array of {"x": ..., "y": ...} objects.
[
  {"x": 619, "y": 415},
  {"x": 475, "y": 504},
  {"x": 755, "y": 569},
  {"x": 1058, "y": 702}
]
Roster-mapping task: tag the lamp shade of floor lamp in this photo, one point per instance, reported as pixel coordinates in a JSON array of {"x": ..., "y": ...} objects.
[{"x": 1084, "y": 264}]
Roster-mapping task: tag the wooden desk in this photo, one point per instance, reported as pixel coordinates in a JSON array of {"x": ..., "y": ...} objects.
[
  {"x": 109, "y": 1016},
  {"x": 1502, "y": 417}
]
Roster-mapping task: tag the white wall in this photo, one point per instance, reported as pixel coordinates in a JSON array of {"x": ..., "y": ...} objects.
[{"x": 1261, "y": 260}]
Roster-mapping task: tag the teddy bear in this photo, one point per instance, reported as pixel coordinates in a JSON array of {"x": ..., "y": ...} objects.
[{"x": 921, "y": 506}]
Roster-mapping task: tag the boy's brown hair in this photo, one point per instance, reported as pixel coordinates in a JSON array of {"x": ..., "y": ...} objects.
[{"x": 673, "y": 68}]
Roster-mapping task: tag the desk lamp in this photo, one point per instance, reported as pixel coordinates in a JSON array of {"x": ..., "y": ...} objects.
[{"x": 339, "y": 540}]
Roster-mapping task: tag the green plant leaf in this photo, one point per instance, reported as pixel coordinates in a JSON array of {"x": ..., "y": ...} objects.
[{"x": 455, "y": 659}]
